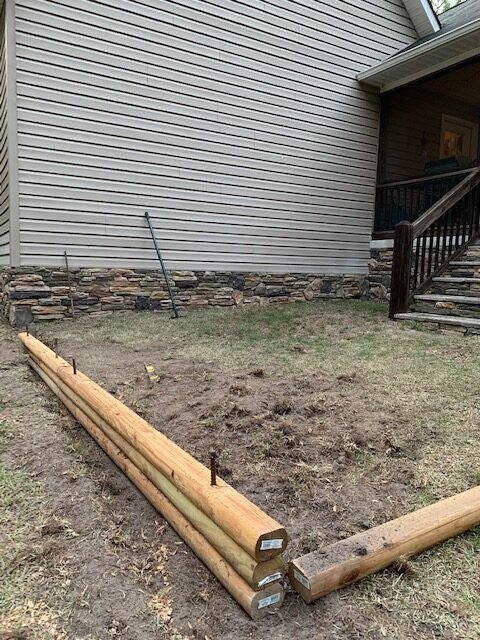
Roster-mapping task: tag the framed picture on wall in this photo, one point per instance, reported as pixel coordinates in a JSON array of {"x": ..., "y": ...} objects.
[{"x": 459, "y": 138}]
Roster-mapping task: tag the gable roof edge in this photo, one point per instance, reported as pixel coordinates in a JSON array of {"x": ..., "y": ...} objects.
[{"x": 423, "y": 16}]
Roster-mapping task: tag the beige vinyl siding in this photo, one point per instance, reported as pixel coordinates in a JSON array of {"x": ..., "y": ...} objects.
[
  {"x": 4, "y": 203},
  {"x": 240, "y": 126}
]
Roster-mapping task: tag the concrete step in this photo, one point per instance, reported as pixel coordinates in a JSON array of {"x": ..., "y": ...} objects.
[{"x": 467, "y": 325}]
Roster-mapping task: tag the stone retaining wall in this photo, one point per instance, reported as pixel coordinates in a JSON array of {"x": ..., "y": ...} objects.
[{"x": 31, "y": 294}]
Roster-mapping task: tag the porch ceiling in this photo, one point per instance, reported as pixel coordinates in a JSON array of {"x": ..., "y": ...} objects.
[{"x": 426, "y": 57}]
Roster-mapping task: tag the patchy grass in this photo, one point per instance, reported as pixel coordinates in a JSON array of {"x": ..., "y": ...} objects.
[
  {"x": 21, "y": 518},
  {"x": 424, "y": 382}
]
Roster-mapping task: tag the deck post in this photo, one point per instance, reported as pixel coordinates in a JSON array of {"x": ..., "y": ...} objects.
[{"x": 401, "y": 268}]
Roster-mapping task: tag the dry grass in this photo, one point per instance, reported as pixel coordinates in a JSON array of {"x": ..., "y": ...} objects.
[
  {"x": 426, "y": 381},
  {"x": 20, "y": 520}
]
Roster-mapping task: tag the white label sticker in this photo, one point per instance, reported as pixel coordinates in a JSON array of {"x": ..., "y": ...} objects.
[
  {"x": 298, "y": 576},
  {"x": 266, "y": 545},
  {"x": 270, "y": 578},
  {"x": 266, "y": 602}
]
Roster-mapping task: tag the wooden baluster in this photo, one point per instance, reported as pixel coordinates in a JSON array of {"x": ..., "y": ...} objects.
[
  {"x": 451, "y": 228},
  {"x": 401, "y": 268},
  {"x": 477, "y": 209},
  {"x": 473, "y": 209},
  {"x": 438, "y": 242},
  {"x": 430, "y": 248},
  {"x": 444, "y": 219},
  {"x": 466, "y": 214},
  {"x": 424, "y": 250},
  {"x": 417, "y": 262},
  {"x": 459, "y": 212}
]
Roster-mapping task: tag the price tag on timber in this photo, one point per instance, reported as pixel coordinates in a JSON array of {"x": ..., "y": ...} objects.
[
  {"x": 271, "y": 578},
  {"x": 298, "y": 576},
  {"x": 152, "y": 376},
  {"x": 267, "y": 545},
  {"x": 267, "y": 602}
]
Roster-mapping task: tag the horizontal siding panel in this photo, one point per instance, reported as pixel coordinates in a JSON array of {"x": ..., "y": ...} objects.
[
  {"x": 152, "y": 23},
  {"x": 204, "y": 232},
  {"x": 67, "y": 42},
  {"x": 178, "y": 99},
  {"x": 56, "y": 208},
  {"x": 174, "y": 249},
  {"x": 39, "y": 133},
  {"x": 100, "y": 153},
  {"x": 148, "y": 175},
  {"x": 177, "y": 256},
  {"x": 129, "y": 193},
  {"x": 239, "y": 125},
  {"x": 207, "y": 82},
  {"x": 192, "y": 228},
  {"x": 175, "y": 134},
  {"x": 50, "y": 259}
]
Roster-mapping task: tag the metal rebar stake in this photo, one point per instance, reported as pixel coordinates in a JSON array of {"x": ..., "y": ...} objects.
[
  {"x": 69, "y": 284},
  {"x": 213, "y": 467},
  {"x": 164, "y": 271}
]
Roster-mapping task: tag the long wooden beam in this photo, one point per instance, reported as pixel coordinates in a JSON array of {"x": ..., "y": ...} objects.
[
  {"x": 340, "y": 564},
  {"x": 256, "y": 532},
  {"x": 255, "y": 603},
  {"x": 257, "y": 574}
]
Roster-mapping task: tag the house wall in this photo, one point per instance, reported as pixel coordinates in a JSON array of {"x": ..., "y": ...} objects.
[
  {"x": 238, "y": 125},
  {"x": 411, "y": 130},
  {"x": 4, "y": 200}
]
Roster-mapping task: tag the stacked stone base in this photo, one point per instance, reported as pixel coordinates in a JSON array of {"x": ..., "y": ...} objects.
[{"x": 37, "y": 294}]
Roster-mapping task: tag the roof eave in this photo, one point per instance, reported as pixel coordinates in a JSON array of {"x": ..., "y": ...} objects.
[{"x": 398, "y": 70}]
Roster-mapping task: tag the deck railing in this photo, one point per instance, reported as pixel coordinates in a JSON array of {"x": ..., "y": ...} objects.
[
  {"x": 424, "y": 248},
  {"x": 408, "y": 199}
]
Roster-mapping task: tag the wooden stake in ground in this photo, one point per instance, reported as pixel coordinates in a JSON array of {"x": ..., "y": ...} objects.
[{"x": 340, "y": 564}]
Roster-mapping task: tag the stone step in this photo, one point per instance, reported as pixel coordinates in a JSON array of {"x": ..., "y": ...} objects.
[
  {"x": 463, "y": 263},
  {"x": 469, "y": 325},
  {"x": 434, "y": 297},
  {"x": 456, "y": 280}
]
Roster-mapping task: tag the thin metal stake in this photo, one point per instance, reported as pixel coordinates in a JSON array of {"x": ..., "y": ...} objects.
[
  {"x": 74, "y": 365},
  {"x": 56, "y": 347},
  {"x": 69, "y": 284},
  {"x": 159, "y": 255},
  {"x": 213, "y": 467},
  {"x": 26, "y": 329}
]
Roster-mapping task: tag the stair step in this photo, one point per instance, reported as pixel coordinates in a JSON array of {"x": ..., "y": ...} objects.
[
  {"x": 434, "y": 297},
  {"x": 465, "y": 263},
  {"x": 456, "y": 280},
  {"x": 467, "y": 323}
]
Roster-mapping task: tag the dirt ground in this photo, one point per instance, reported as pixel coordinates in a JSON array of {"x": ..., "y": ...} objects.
[{"x": 318, "y": 432}]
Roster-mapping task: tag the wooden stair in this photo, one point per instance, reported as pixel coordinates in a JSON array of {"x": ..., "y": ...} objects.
[{"x": 452, "y": 301}]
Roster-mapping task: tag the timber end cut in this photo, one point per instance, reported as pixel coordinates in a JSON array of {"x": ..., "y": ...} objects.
[
  {"x": 213, "y": 520},
  {"x": 345, "y": 562}
]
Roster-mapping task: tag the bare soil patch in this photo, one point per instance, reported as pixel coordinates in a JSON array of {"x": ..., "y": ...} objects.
[{"x": 327, "y": 449}]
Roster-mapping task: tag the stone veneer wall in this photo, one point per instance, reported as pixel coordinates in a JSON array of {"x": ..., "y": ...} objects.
[
  {"x": 380, "y": 273},
  {"x": 31, "y": 294}
]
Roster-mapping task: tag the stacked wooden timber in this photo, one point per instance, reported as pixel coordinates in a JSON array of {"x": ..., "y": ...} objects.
[
  {"x": 340, "y": 564},
  {"x": 239, "y": 543}
]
